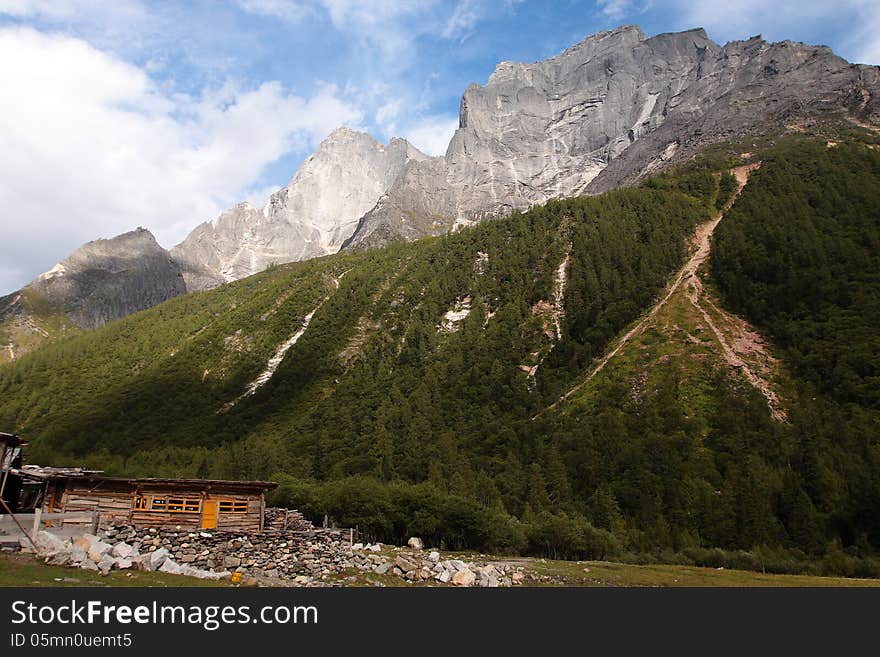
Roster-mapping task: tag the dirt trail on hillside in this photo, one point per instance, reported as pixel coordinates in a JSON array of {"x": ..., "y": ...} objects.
[{"x": 687, "y": 275}]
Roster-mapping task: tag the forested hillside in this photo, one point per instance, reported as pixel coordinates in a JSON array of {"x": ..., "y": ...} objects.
[{"x": 415, "y": 392}]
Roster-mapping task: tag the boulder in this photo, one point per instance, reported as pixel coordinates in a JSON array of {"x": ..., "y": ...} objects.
[
  {"x": 49, "y": 543},
  {"x": 171, "y": 566},
  {"x": 434, "y": 557},
  {"x": 83, "y": 542},
  {"x": 416, "y": 543},
  {"x": 464, "y": 578},
  {"x": 158, "y": 558},
  {"x": 98, "y": 549},
  {"x": 106, "y": 563},
  {"x": 62, "y": 558},
  {"x": 77, "y": 554},
  {"x": 143, "y": 562},
  {"x": 405, "y": 564},
  {"x": 88, "y": 564},
  {"x": 123, "y": 550}
]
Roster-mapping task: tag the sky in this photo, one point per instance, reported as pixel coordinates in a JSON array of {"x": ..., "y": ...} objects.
[{"x": 116, "y": 114}]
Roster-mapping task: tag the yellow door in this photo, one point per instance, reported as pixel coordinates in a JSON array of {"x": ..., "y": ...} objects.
[{"x": 209, "y": 514}]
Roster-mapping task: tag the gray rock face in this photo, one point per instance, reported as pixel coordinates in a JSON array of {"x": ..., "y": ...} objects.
[
  {"x": 311, "y": 217},
  {"x": 604, "y": 112},
  {"x": 108, "y": 279}
]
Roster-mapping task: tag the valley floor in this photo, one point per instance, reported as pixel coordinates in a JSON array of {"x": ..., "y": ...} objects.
[{"x": 18, "y": 570}]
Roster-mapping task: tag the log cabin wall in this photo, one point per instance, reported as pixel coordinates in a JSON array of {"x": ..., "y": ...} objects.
[{"x": 237, "y": 510}]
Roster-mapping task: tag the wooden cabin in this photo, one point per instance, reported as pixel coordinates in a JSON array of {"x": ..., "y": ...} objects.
[{"x": 189, "y": 504}]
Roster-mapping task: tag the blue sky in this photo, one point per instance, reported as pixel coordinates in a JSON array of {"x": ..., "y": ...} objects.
[{"x": 130, "y": 113}]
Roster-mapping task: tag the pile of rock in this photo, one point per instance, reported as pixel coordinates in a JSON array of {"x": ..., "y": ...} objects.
[
  {"x": 280, "y": 558},
  {"x": 91, "y": 553},
  {"x": 413, "y": 566},
  {"x": 276, "y": 556}
]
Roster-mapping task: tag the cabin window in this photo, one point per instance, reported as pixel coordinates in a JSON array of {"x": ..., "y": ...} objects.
[
  {"x": 168, "y": 504},
  {"x": 233, "y": 506}
]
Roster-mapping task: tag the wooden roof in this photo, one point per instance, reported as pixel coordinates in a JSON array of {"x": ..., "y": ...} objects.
[
  {"x": 11, "y": 439},
  {"x": 94, "y": 478}
]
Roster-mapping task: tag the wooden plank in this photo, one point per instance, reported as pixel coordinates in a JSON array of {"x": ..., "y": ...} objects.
[{"x": 36, "y": 527}]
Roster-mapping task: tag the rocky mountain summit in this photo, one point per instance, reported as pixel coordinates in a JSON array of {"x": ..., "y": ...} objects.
[
  {"x": 310, "y": 217},
  {"x": 604, "y": 112},
  {"x": 108, "y": 279}
]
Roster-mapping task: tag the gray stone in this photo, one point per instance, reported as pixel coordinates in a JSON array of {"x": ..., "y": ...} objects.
[
  {"x": 405, "y": 564},
  {"x": 434, "y": 556},
  {"x": 106, "y": 563},
  {"x": 88, "y": 564},
  {"x": 98, "y": 549},
  {"x": 123, "y": 550},
  {"x": 171, "y": 566},
  {"x": 77, "y": 554},
  {"x": 49, "y": 543},
  {"x": 157, "y": 558},
  {"x": 416, "y": 543},
  {"x": 62, "y": 558}
]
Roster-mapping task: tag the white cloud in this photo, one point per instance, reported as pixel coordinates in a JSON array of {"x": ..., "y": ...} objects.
[
  {"x": 615, "y": 9},
  {"x": 120, "y": 23},
  {"x": 289, "y": 11},
  {"x": 463, "y": 19},
  {"x": 391, "y": 26},
  {"x": 72, "y": 10},
  {"x": 93, "y": 147},
  {"x": 431, "y": 135}
]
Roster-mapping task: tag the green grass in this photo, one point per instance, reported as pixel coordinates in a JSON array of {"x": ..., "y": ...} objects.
[
  {"x": 18, "y": 570},
  {"x": 602, "y": 573}
]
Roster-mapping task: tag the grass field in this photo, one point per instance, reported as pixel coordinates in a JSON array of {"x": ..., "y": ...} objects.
[{"x": 18, "y": 570}]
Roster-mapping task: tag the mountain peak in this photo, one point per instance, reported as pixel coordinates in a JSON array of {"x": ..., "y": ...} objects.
[{"x": 106, "y": 279}]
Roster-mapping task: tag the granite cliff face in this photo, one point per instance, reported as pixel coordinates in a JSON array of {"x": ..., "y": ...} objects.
[
  {"x": 604, "y": 112},
  {"x": 310, "y": 217},
  {"x": 108, "y": 279}
]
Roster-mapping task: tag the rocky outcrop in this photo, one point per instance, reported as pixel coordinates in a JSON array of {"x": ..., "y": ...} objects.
[
  {"x": 310, "y": 217},
  {"x": 108, "y": 279},
  {"x": 603, "y": 113}
]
